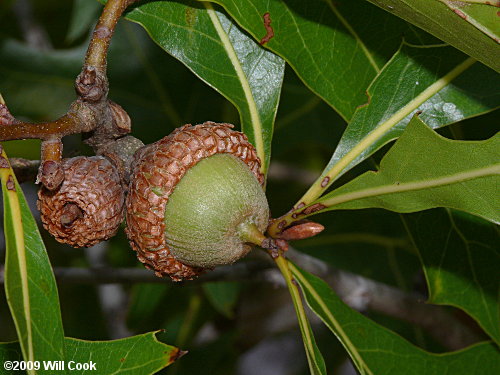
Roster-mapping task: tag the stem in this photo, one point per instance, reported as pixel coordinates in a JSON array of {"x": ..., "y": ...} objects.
[
  {"x": 91, "y": 110},
  {"x": 52, "y": 149},
  {"x": 358, "y": 292},
  {"x": 67, "y": 124},
  {"x": 249, "y": 232},
  {"x": 310, "y": 199},
  {"x": 98, "y": 47},
  {"x": 307, "y": 335}
]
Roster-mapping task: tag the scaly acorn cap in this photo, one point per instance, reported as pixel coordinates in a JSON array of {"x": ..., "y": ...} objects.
[
  {"x": 89, "y": 205},
  {"x": 164, "y": 237}
]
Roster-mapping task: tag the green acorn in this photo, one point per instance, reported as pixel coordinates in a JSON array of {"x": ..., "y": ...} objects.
[{"x": 194, "y": 199}]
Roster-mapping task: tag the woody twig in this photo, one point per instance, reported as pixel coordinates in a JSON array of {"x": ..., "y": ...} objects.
[{"x": 91, "y": 113}]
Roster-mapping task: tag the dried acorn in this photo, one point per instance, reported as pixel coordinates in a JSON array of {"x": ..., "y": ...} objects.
[
  {"x": 89, "y": 205},
  {"x": 193, "y": 198}
]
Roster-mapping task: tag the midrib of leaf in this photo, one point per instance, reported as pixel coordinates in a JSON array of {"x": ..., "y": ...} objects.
[
  {"x": 252, "y": 106},
  {"x": 15, "y": 210},
  {"x": 409, "y": 186},
  {"x": 285, "y": 266},
  {"x": 339, "y": 331},
  {"x": 316, "y": 189},
  {"x": 355, "y": 35}
]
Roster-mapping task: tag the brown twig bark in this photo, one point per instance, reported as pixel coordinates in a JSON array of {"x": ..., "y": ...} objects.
[
  {"x": 98, "y": 48},
  {"x": 91, "y": 86},
  {"x": 90, "y": 113},
  {"x": 359, "y": 292},
  {"x": 24, "y": 169},
  {"x": 245, "y": 271}
]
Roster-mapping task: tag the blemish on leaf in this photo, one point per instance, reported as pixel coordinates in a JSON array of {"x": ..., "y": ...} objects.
[
  {"x": 300, "y": 205},
  {"x": 190, "y": 17},
  {"x": 122, "y": 360},
  {"x": 3, "y": 162},
  {"x": 269, "y": 29},
  {"x": 10, "y": 184},
  {"x": 460, "y": 13},
  {"x": 325, "y": 181},
  {"x": 314, "y": 208}
]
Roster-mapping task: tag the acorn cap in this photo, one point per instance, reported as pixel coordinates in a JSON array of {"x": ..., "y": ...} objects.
[
  {"x": 156, "y": 171},
  {"x": 89, "y": 205}
]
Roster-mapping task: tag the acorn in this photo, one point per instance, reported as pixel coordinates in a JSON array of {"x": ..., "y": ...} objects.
[
  {"x": 195, "y": 200},
  {"x": 88, "y": 207}
]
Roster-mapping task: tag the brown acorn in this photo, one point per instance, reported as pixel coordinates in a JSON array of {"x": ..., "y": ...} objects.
[
  {"x": 194, "y": 197},
  {"x": 88, "y": 207}
]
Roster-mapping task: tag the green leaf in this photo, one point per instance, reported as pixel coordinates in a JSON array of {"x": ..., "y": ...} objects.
[
  {"x": 436, "y": 18},
  {"x": 223, "y": 296},
  {"x": 461, "y": 259},
  {"x": 440, "y": 82},
  {"x": 314, "y": 356},
  {"x": 376, "y": 350},
  {"x": 141, "y": 354},
  {"x": 336, "y": 47},
  {"x": 217, "y": 51},
  {"x": 424, "y": 170},
  {"x": 481, "y": 16},
  {"x": 29, "y": 282}
]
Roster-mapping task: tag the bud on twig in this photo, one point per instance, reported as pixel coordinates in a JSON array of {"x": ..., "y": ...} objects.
[{"x": 301, "y": 229}]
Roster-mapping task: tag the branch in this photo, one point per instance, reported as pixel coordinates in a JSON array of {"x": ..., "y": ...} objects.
[
  {"x": 364, "y": 294},
  {"x": 243, "y": 271},
  {"x": 90, "y": 112},
  {"x": 24, "y": 169},
  {"x": 98, "y": 48},
  {"x": 358, "y": 292},
  {"x": 91, "y": 85},
  {"x": 68, "y": 124}
]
